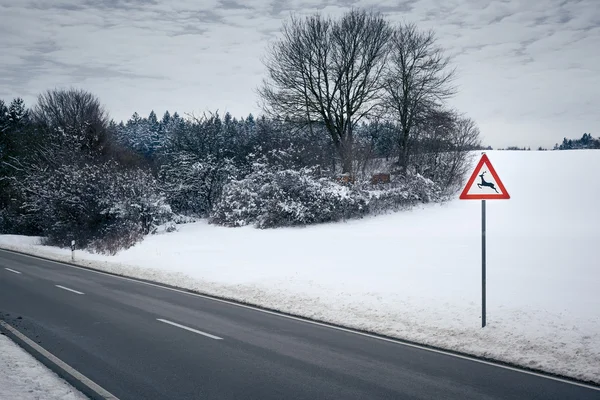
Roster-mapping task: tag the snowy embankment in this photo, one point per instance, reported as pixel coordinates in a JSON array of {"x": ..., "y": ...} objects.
[
  {"x": 23, "y": 377},
  {"x": 416, "y": 274}
]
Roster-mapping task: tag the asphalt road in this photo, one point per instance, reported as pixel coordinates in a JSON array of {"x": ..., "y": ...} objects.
[{"x": 145, "y": 342}]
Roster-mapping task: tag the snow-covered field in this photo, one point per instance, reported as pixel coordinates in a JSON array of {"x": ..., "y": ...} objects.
[
  {"x": 416, "y": 274},
  {"x": 23, "y": 377}
]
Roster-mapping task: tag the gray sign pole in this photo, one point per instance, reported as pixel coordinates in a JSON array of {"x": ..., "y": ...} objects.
[{"x": 483, "y": 263}]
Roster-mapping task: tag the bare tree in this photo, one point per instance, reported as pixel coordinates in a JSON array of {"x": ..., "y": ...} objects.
[
  {"x": 74, "y": 119},
  {"x": 328, "y": 71},
  {"x": 430, "y": 138},
  {"x": 418, "y": 81},
  {"x": 464, "y": 138}
]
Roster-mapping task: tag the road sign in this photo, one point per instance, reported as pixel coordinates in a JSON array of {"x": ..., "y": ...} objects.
[{"x": 484, "y": 183}]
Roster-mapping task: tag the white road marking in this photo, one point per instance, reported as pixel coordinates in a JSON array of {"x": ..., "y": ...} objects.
[
  {"x": 70, "y": 290},
  {"x": 189, "y": 329},
  {"x": 13, "y": 271},
  {"x": 93, "y": 386},
  {"x": 323, "y": 324}
]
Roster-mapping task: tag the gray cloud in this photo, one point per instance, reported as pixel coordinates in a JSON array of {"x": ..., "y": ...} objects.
[
  {"x": 529, "y": 71},
  {"x": 232, "y": 5}
]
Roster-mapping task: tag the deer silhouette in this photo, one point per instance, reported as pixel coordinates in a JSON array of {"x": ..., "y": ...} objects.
[{"x": 484, "y": 183}]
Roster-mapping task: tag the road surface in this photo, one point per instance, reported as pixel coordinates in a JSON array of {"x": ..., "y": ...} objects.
[{"x": 141, "y": 341}]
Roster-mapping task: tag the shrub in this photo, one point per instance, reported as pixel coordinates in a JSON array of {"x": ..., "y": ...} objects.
[
  {"x": 100, "y": 206},
  {"x": 193, "y": 184},
  {"x": 286, "y": 198},
  {"x": 403, "y": 191},
  {"x": 268, "y": 198}
]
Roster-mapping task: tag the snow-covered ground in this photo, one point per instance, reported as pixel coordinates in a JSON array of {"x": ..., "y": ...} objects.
[
  {"x": 416, "y": 274},
  {"x": 23, "y": 377}
]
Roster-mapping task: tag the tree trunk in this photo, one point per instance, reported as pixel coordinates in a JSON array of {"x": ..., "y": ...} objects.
[
  {"x": 344, "y": 150},
  {"x": 347, "y": 155},
  {"x": 347, "y": 164},
  {"x": 403, "y": 157}
]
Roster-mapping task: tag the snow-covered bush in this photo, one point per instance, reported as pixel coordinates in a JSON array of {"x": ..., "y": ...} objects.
[
  {"x": 193, "y": 184},
  {"x": 101, "y": 206},
  {"x": 403, "y": 191},
  {"x": 271, "y": 198}
]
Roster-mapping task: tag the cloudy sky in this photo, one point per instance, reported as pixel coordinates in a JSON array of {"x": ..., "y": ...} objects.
[{"x": 529, "y": 70}]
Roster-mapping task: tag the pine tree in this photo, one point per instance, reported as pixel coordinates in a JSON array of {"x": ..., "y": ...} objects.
[
  {"x": 166, "y": 118},
  {"x": 3, "y": 114},
  {"x": 17, "y": 112}
]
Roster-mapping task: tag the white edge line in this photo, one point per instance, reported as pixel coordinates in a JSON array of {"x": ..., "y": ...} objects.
[
  {"x": 13, "y": 271},
  {"x": 64, "y": 366},
  {"x": 187, "y": 328},
  {"x": 416, "y": 346},
  {"x": 70, "y": 290}
]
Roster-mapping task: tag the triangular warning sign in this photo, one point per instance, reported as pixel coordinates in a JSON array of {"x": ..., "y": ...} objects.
[{"x": 484, "y": 184}]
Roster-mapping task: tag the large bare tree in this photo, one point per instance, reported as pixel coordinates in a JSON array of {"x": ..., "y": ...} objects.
[
  {"x": 330, "y": 71},
  {"x": 418, "y": 81},
  {"x": 74, "y": 119}
]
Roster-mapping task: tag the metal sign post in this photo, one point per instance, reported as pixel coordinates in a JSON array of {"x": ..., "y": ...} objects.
[
  {"x": 483, "y": 263},
  {"x": 484, "y": 190}
]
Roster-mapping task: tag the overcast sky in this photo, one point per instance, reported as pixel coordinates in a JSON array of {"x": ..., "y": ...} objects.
[{"x": 529, "y": 70}]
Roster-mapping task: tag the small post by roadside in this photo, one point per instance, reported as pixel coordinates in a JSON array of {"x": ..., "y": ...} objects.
[{"x": 72, "y": 250}]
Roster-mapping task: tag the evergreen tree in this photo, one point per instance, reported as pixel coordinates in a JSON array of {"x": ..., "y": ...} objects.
[
  {"x": 17, "y": 112},
  {"x": 3, "y": 114},
  {"x": 166, "y": 118}
]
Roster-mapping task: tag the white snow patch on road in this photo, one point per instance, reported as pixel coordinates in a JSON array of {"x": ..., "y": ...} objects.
[
  {"x": 415, "y": 274},
  {"x": 23, "y": 377}
]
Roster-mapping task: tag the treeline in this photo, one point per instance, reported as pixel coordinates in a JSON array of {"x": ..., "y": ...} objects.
[
  {"x": 586, "y": 142},
  {"x": 67, "y": 172},
  {"x": 341, "y": 138}
]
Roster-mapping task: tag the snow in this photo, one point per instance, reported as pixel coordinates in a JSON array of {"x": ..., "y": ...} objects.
[
  {"x": 416, "y": 274},
  {"x": 23, "y": 377}
]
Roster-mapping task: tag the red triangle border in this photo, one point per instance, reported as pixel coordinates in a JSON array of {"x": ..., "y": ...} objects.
[{"x": 501, "y": 196}]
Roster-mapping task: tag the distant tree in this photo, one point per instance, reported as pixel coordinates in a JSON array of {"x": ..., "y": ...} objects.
[
  {"x": 16, "y": 137},
  {"x": 3, "y": 114},
  {"x": 166, "y": 118},
  {"x": 328, "y": 71},
  {"x": 146, "y": 136},
  {"x": 443, "y": 149},
  {"x": 17, "y": 112},
  {"x": 74, "y": 124},
  {"x": 586, "y": 142},
  {"x": 153, "y": 120},
  {"x": 418, "y": 81},
  {"x": 516, "y": 148},
  {"x": 4, "y": 126}
]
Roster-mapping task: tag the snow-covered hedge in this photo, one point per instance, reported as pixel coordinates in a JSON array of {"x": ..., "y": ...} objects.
[
  {"x": 194, "y": 184},
  {"x": 269, "y": 198},
  {"x": 403, "y": 191},
  {"x": 273, "y": 198},
  {"x": 102, "y": 207}
]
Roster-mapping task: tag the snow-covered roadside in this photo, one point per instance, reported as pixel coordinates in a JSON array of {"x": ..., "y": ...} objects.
[
  {"x": 558, "y": 343},
  {"x": 416, "y": 274},
  {"x": 23, "y": 377}
]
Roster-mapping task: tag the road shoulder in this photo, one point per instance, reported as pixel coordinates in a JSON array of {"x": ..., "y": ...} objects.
[{"x": 23, "y": 377}]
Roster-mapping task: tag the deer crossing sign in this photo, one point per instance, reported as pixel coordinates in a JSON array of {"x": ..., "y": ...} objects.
[{"x": 484, "y": 183}]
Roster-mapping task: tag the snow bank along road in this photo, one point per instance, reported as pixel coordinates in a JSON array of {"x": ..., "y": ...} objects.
[
  {"x": 24, "y": 378},
  {"x": 140, "y": 340}
]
